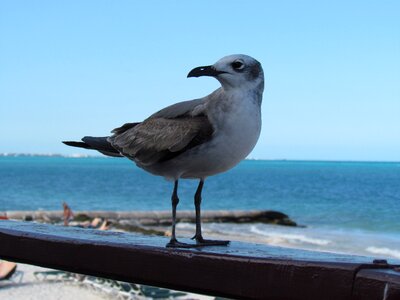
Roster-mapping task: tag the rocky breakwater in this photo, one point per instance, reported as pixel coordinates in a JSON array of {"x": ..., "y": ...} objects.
[{"x": 153, "y": 222}]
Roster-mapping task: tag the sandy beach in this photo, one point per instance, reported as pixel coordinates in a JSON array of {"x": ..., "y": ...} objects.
[{"x": 30, "y": 288}]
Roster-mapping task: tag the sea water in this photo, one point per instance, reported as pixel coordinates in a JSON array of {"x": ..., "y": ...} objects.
[{"x": 349, "y": 207}]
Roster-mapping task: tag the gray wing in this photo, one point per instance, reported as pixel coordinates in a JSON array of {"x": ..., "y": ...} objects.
[
  {"x": 187, "y": 108},
  {"x": 159, "y": 139},
  {"x": 178, "y": 109}
]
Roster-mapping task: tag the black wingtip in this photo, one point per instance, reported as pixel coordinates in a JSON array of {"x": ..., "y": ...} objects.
[{"x": 76, "y": 144}]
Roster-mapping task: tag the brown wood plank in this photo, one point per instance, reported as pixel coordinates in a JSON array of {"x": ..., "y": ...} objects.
[
  {"x": 242, "y": 271},
  {"x": 377, "y": 284}
]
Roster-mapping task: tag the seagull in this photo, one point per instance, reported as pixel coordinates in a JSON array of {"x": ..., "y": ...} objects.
[{"x": 195, "y": 139}]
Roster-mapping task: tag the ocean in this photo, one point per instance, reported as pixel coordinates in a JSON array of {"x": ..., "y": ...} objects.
[{"x": 346, "y": 207}]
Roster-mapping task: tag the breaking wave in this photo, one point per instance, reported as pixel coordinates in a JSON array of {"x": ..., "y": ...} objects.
[
  {"x": 384, "y": 251},
  {"x": 296, "y": 238}
]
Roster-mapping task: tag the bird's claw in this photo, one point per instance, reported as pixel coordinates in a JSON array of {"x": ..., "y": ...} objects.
[
  {"x": 201, "y": 242},
  {"x": 174, "y": 243}
]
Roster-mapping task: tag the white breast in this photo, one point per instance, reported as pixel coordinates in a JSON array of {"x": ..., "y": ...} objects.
[
  {"x": 239, "y": 130},
  {"x": 237, "y": 123}
]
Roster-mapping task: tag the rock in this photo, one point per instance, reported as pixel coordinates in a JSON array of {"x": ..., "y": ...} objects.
[
  {"x": 163, "y": 218},
  {"x": 134, "y": 226},
  {"x": 28, "y": 218},
  {"x": 82, "y": 218}
]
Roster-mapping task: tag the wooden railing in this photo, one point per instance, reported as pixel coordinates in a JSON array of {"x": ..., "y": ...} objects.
[{"x": 240, "y": 271}]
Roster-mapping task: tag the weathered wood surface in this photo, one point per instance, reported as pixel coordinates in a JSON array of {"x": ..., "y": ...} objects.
[
  {"x": 377, "y": 284},
  {"x": 241, "y": 271}
]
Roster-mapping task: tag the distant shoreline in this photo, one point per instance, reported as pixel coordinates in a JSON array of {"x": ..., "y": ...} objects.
[{"x": 79, "y": 155}]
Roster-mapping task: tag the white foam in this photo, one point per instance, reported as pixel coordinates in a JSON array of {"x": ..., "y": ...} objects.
[
  {"x": 77, "y": 155},
  {"x": 184, "y": 225},
  {"x": 384, "y": 251},
  {"x": 291, "y": 237}
]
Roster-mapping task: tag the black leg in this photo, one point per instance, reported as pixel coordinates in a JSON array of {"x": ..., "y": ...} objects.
[
  {"x": 197, "y": 205},
  {"x": 175, "y": 200},
  {"x": 198, "y": 236}
]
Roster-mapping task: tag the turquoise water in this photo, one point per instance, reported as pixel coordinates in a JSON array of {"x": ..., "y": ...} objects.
[{"x": 338, "y": 198}]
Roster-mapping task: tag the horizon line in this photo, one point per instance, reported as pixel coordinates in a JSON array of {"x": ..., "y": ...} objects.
[{"x": 79, "y": 155}]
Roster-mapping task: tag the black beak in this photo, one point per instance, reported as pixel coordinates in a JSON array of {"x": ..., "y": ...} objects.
[{"x": 204, "y": 71}]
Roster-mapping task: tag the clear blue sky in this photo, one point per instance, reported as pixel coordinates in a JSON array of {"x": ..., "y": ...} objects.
[{"x": 75, "y": 68}]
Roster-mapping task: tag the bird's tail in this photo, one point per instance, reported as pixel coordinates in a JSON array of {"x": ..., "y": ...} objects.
[{"x": 95, "y": 143}]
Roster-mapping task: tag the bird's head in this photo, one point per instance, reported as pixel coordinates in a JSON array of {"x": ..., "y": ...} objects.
[{"x": 234, "y": 71}]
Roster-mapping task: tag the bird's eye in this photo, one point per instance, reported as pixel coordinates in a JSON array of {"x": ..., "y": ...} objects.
[{"x": 237, "y": 65}]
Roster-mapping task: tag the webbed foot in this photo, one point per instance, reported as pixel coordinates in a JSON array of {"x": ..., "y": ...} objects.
[
  {"x": 174, "y": 243},
  {"x": 200, "y": 242}
]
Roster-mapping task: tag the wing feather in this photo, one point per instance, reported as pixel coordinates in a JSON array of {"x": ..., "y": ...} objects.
[{"x": 158, "y": 139}]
